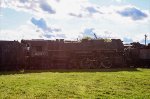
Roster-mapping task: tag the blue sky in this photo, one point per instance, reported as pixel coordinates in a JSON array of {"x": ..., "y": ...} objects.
[{"x": 128, "y": 20}]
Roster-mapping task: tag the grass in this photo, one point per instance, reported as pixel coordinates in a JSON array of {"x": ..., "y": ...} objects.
[{"x": 60, "y": 84}]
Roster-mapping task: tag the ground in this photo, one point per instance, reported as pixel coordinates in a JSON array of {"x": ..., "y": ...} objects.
[{"x": 60, "y": 84}]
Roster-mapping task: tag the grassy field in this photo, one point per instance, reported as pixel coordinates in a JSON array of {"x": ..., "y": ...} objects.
[{"x": 60, "y": 84}]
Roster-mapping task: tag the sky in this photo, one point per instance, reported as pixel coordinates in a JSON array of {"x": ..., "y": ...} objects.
[{"x": 128, "y": 20}]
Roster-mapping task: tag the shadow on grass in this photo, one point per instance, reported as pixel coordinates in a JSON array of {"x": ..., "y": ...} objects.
[{"x": 69, "y": 71}]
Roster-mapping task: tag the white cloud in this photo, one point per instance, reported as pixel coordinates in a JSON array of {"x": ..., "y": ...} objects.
[
  {"x": 63, "y": 9},
  {"x": 118, "y": 0},
  {"x": 35, "y": 7},
  {"x": 27, "y": 31},
  {"x": 31, "y": 31},
  {"x": 74, "y": 16},
  {"x": 1, "y": 15},
  {"x": 52, "y": 8}
]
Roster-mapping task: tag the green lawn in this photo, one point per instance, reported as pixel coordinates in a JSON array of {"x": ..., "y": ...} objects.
[{"x": 60, "y": 84}]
